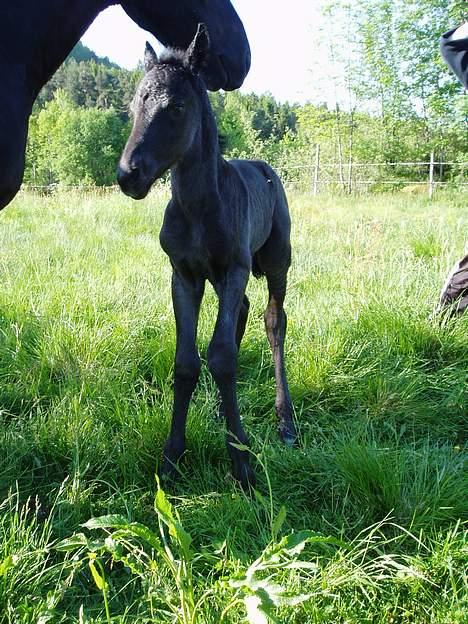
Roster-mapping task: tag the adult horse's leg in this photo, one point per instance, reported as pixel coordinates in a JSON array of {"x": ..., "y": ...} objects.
[
  {"x": 275, "y": 324},
  {"x": 186, "y": 298},
  {"x": 13, "y": 133},
  {"x": 222, "y": 362}
]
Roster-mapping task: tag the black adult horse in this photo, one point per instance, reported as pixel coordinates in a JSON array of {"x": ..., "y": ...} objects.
[{"x": 37, "y": 35}]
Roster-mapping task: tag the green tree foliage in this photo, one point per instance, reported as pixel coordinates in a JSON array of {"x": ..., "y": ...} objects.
[
  {"x": 395, "y": 101},
  {"x": 82, "y": 53},
  {"x": 92, "y": 81},
  {"x": 74, "y": 145},
  {"x": 251, "y": 124},
  {"x": 400, "y": 42}
]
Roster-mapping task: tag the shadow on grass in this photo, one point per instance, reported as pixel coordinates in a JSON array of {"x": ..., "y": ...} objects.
[
  {"x": 391, "y": 369},
  {"x": 371, "y": 422}
]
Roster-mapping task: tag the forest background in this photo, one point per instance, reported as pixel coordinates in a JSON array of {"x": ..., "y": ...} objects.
[{"x": 395, "y": 103}]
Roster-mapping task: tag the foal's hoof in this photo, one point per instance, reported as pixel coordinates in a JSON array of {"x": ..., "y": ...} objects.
[
  {"x": 287, "y": 433},
  {"x": 241, "y": 469},
  {"x": 169, "y": 470},
  {"x": 244, "y": 474},
  {"x": 168, "y": 473}
]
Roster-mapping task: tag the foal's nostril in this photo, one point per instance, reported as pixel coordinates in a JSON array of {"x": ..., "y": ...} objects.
[{"x": 127, "y": 175}]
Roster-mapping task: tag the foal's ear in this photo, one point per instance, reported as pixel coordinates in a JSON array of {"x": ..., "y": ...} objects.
[
  {"x": 198, "y": 51},
  {"x": 150, "y": 58}
]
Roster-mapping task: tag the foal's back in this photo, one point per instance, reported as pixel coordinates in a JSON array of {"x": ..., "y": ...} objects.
[
  {"x": 266, "y": 211},
  {"x": 262, "y": 200}
]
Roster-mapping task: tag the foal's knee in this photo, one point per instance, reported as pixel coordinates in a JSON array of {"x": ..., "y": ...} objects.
[
  {"x": 222, "y": 359},
  {"x": 187, "y": 367}
]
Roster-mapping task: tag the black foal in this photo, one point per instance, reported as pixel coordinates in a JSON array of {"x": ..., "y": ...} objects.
[{"x": 224, "y": 220}]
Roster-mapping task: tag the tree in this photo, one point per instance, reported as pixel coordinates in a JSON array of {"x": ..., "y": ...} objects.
[
  {"x": 92, "y": 81},
  {"x": 72, "y": 145}
]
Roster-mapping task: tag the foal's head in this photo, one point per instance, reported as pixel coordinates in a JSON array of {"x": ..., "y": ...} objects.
[{"x": 167, "y": 111}]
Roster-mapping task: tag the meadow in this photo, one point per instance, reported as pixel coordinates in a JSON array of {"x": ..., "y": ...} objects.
[{"x": 362, "y": 523}]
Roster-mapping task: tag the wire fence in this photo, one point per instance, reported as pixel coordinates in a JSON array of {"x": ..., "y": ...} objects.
[
  {"x": 348, "y": 177},
  {"x": 351, "y": 177}
]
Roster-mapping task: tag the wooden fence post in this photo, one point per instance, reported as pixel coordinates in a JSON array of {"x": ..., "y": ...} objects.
[
  {"x": 441, "y": 166},
  {"x": 316, "y": 169},
  {"x": 350, "y": 175},
  {"x": 431, "y": 176}
]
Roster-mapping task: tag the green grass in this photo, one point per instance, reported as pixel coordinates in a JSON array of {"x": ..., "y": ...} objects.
[{"x": 362, "y": 523}]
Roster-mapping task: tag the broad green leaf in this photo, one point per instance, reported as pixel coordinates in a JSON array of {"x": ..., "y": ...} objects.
[
  {"x": 163, "y": 506},
  {"x": 302, "y": 565},
  {"x": 82, "y": 619},
  {"x": 255, "y": 615},
  {"x": 269, "y": 593},
  {"x": 79, "y": 540},
  {"x": 111, "y": 521},
  {"x": 98, "y": 579},
  {"x": 6, "y": 564},
  {"x": 295, "y": 543},
  {"x": 125, "y": 529},
  {"x": 136, "y": 529},
  {"x": 164, "y": 510},
  {"x": 291, "y": 600},
  {"x": 279, "y": 520}
]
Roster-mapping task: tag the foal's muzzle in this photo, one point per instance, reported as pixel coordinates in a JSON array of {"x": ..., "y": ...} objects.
[{"x": 131, "y": 181}]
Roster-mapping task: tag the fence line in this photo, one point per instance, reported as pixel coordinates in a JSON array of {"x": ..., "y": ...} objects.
[
  {"x": 409, "y": 182},
  {"x": 434, "y": 174},
  {"x": 313, "y": 176},
  {"x": 384, "y": 164}
]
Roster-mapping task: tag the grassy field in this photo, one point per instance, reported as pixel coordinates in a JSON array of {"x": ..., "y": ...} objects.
[{"x": 363, "y": 523}]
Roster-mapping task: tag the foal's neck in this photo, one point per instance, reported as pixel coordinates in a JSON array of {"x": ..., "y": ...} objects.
[{"x": 195, "y": 178}]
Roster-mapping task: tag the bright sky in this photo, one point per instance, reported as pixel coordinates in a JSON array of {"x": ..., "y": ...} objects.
[{"x": 281, "y": 39}]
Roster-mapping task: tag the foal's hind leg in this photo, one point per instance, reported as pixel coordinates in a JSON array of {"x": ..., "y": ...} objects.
[{"x": 275, "y": 324}]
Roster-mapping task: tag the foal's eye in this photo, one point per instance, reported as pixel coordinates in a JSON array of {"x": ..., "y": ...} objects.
[
  {"x": 176, "y": 110},
  {"x": 144, "y": 97}
]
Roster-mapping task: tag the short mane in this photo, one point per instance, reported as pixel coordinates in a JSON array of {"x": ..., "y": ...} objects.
[{"x": 172, "y": 56}]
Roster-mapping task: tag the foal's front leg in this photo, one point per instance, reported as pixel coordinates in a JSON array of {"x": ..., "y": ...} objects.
[
  {"x": 222, "y": 362},
  {"x": 186, "y": 298}
]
